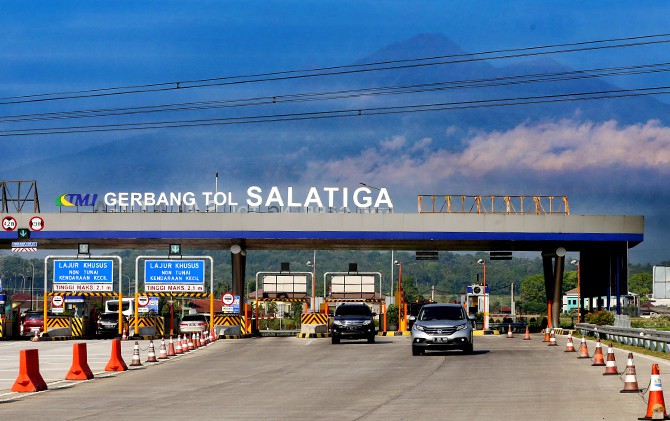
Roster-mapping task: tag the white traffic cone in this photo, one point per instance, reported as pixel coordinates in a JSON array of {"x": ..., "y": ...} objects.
[
  {"x": 151, "y": 356},
  {"x": 162, "y": 352},
  {"x": 136, "y": 356}
]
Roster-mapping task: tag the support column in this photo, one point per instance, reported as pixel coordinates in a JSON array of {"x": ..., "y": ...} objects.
[
  {"x": 559, "y": 268},
  {"x": 548, "y": 285},
  {"x": 238, "y": 259}
]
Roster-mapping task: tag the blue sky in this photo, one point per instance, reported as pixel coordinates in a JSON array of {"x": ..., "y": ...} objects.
[{"x": 607, "y": 166}]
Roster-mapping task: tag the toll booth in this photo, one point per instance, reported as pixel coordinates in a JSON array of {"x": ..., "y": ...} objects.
[
  {"x": 476, "y": 298},
  {"x": 285, "y": 289},
  {"x": 354, "y": 286}
]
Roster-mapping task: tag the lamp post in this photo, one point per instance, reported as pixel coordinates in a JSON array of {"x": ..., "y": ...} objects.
[
  {"x": 312, "y": 264},
  {"x": 486, "y": 309},
  {"x": 126, "y": 276},
  {"x": 579, "y": 290}
]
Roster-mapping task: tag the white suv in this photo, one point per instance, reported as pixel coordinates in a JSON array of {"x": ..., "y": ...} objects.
[{"x": 442, "y": 327}]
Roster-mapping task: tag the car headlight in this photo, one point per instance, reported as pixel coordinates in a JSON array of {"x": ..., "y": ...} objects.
[
  {"x": 461, "y": 327},
  {"x": 418, "y": 327},
  {"x": 367, "y": 322},
  {"x": 337, "y": 322}
]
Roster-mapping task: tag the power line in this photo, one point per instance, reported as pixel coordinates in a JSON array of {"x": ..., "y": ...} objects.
[
  {"x": 342, "y": 70},
  {"x": 345, "y": 94},
  {"x": 371, "y": 111}
]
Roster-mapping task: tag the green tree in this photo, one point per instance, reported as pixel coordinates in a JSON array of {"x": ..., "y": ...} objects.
[
  {"x": 533, "y": 296},
  {"x": 641, "y": 283}
]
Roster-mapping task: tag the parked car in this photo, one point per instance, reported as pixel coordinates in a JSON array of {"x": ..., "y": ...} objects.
[
  {"x": 194, "y": 323},
  {"x": 31, "y": 321},
  {"x": 353, "y": 321},
  {"x": 442, "y": 327},
  {"x": 108, "y": 324}
]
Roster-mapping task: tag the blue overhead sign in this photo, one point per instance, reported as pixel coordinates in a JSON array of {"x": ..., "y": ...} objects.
[
  {"x": 174, "y": 275},
  {"x": 83, "y": 275}
]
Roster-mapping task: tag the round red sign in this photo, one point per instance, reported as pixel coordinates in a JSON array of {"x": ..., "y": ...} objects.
[
  {"x": 228, "y": 298},
  {"x": 8, "y": 223},
  {"x": 36, "y": 223}
]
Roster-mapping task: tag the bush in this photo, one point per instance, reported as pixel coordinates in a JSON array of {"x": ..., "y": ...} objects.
[{"x": 600, "y": 318}]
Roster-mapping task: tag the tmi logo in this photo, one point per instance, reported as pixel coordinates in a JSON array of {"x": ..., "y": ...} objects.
[{"x": 76, "y": 199}]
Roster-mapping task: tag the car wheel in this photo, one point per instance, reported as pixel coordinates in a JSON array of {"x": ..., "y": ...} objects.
[
  {"x": 335, "y": 340},
  {"x": 416, "y": 351},
  {"x": 371, "y": 339},
  {"x": 469, "y": 349}
]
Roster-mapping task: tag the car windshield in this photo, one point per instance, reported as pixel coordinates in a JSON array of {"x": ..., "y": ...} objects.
[
  {"x": 112, "y": 317},
  {"x": 353, "y": 311},
  {"x": 194, "y": 318},
  {"x": 441, "y": 313},
  {"x": 34, "y": 316}
]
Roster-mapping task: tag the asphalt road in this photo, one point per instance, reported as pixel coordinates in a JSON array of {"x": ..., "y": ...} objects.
[{"x": 308, "y": 379}]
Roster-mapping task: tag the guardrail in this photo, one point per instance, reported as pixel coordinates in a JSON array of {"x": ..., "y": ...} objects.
[{"x": 655, "y": 340}]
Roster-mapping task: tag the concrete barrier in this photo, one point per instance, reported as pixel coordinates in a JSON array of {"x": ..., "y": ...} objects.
[
  {"x": 313, "y": 328},
  {"x": 228, "y": 330}
]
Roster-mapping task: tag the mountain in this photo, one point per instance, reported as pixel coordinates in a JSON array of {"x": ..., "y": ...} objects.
[{"x": 185, "y": 159}]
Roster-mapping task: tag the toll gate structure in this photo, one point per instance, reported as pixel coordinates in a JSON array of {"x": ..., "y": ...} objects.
[{"x": 602, "y": 241}]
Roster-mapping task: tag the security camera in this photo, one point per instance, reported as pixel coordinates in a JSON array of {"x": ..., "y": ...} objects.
[
  {"x": 480, "y": 261},
  {"x": 574, "y": 262},
  {"x": 396, "y": 262}
]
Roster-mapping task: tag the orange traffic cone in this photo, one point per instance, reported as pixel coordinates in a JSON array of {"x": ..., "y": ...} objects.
[
  {"x": 598, "y": 357},
  {"x": 171, "y": 352},
  {"x": 583, "y": 349},
  {"x": 655, "y": 403},
  {"x": 610, "y": 366},
  {"x": 552, "y": 339},
  {"x": 546, "y": 335},
  {"x": 213, "y": 335},
  {"x": 190, "y": 342},
  {"x": 526, "y": 336},
  {"x": 569, "y": 347},
  {"x": 124, "y": 335},
  {"x": 162, "y": 352},
  {"x": 36, "y": 338},
  {"x": 135, "y": 362},
  {"x": 509, "y": 331},
  {"x": 630, "y": 380},
  {"x": 151, "y": 354}
]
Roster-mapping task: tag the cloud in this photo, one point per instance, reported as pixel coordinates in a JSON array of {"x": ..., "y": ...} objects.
[{"x": 546, "y": 150}]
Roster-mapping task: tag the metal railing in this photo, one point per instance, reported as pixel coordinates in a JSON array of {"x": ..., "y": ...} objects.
[
  {"x": 655, "y": 340},
  {"x": 521, "y": 205}
]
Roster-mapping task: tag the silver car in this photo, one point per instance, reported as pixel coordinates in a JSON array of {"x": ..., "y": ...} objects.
[{"x": 442, "y": 327}]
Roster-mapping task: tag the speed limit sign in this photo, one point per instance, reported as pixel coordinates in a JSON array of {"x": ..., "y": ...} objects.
[
  {"x": 142, "y": 300},
  {"x": 8, "y": 223}
]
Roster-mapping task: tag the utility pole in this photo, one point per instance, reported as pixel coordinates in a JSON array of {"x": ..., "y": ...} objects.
[{"x": 432, "y": 293}]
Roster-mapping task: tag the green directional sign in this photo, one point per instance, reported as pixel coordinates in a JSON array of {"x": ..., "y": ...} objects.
[
  {"x": 24, "y": 233},
  {"x": 175, "y": 249}
]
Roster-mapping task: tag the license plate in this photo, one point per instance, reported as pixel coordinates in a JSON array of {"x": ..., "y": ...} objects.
[{"x": 441, "y": 340}]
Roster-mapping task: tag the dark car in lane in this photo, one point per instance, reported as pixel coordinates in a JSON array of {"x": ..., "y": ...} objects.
[
  {"x": 353, "y": 321},
  {"x": 108, "y": 324}
]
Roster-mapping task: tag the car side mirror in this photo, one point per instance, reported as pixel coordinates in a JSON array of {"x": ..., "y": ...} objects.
[
  {"x": 412, "y": 318},
  {"x": 374, "y": 314},
  {"x": 471, "y": 317}
]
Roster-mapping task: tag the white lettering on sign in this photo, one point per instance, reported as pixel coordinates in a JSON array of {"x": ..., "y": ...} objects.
[{"x": 324, "y": 197}]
